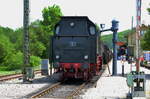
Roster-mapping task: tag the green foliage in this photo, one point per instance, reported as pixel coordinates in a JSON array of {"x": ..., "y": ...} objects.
[
  {"x": 15, "y": 61},
  {"x": 51, "y": 15},
  {"x": 148, "y": 9},
  {"x": 107, "y": 39},
  {"x": 7, "y": 32},
  {"x": 122, "y": 35},
  {"x": 6, "y": 48},
  {"x": 18, "y": 39},
  {"x": 35, "y": 61},
  {"x": 4, "y": 72},
  {"x": 11, "y": 42},
  {"x": 37, "y": 48},
  {"x": 145, "y": 41}
]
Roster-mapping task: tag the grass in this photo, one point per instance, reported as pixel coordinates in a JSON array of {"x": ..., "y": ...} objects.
[
  {"x": 4, "y": 72},
  {"x": 9, "y": 72}
]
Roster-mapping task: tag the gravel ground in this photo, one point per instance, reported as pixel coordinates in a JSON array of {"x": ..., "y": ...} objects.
[
  {"x": 114, "y": 87},
  {"x": 63, "y": 91},
  {"x": 15, "y": 89}
]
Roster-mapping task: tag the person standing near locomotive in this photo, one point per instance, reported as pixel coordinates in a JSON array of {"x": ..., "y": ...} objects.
[
  {"x": 123, "y": 54},
  {"x": 123, "y": 58},
  {"x": 142, "y": 60}
]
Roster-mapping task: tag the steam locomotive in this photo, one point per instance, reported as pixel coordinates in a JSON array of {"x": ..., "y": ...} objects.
[{"x": 76, "y": 49}]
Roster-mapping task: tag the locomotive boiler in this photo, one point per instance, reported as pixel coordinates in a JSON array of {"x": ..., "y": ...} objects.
[{"x": 76, "y": 49}]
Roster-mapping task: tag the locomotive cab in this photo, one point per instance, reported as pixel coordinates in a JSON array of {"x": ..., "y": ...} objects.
[{"x": 75, "y": 26}]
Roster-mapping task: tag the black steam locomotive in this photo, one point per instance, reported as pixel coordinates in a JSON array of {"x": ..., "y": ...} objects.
[{"x": 76, "y": 49}]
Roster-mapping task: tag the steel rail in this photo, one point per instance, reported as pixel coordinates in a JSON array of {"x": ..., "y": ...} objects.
[
  {"x": 58, "y": 85},
  {"x": 44, "y": 92},
  {"x": 76, "y": 91},
  {"x": 14, "y": 76}
]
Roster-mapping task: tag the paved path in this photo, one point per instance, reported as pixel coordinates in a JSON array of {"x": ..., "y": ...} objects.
[{"x": 115, "y": 87}]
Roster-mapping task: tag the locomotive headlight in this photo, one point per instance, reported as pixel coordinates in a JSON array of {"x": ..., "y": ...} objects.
[
  {"x": 57, "y": 56},
  {"x": 86, "y": 57}
]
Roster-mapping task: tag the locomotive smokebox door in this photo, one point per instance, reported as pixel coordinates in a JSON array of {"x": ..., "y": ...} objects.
[{"x": 45, "y": 67}]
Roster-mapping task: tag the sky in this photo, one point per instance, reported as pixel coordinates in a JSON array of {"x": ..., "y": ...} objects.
[{"x": 99, "y": 11}]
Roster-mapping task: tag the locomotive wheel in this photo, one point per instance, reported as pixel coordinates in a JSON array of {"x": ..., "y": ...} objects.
[
  {"x": 62, "y": 77},
  {"x": 89, "y": 75},
  {"x": 85, "y": 75},
  {"x": 95, "y": 71}
]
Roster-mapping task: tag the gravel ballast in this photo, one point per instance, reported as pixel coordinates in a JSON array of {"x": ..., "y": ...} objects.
[{"x": 16, "y": 89}]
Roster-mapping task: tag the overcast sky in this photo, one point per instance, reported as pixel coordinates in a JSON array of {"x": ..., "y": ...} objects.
[{"x": 99, "y": 11}]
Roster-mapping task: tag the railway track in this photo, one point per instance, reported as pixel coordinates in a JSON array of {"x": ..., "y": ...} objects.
[
  {"x": 61, "y": 90},
  {"x": 14, "y": 76}
]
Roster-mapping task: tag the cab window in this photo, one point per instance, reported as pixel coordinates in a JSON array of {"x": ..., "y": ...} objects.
[
  {"x": 92, "y": 30},
  {"x": 57, "y": 29}
]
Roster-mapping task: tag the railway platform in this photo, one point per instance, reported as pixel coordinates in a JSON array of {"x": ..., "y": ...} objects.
[{"x": 115, "y": 87}]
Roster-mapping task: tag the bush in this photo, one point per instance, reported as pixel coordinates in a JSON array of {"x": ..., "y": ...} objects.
[
  {"x": 6, "y": 48},
  {"x": 16, "y": 62},
  {"x": 145, "y": 62},
  {"x": 3, "y": 68},
  {"x": 35, "y": 61}
]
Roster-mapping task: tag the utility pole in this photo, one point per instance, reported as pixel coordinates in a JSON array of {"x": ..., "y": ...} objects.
[
  {"x": 26, "y": 58},
  {"x": 138, "y": 20}
]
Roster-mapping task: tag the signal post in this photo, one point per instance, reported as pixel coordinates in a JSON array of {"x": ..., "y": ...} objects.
[{"x": 26, "y": 57}]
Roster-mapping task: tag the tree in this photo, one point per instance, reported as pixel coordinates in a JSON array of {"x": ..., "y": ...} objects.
[
  {"x": 18, "y": 39},
  {"x": 148, "y": 9},
  {"x": 51, "y": 15},
  {"x": 11, "y": 42},
  {"x": 6, "y": 48},
  {"x": 8, "y": 32},
  {"x": 145, "y": 41},
  {"x": 11, "y": 54},
  {"x": 107, "y": 39},
  {"x": 15, "y": 61},
  {"x": 37, "y": 48}
]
